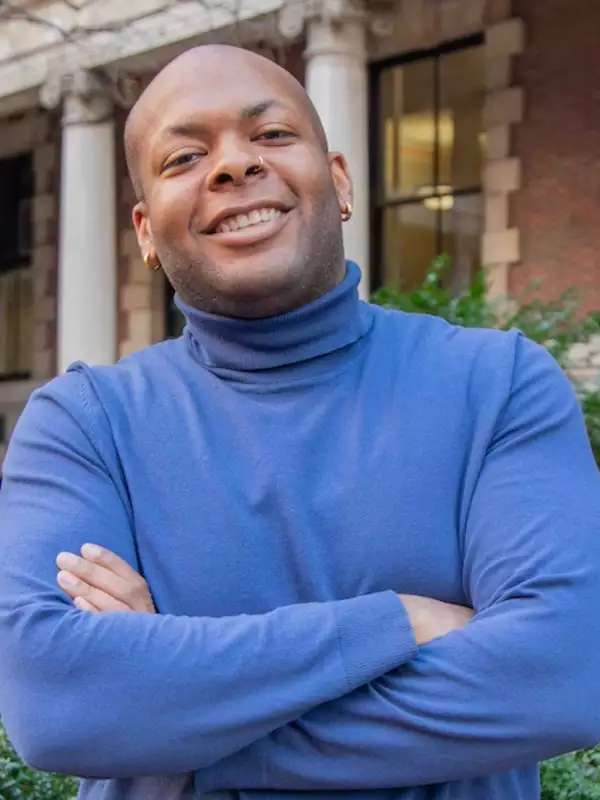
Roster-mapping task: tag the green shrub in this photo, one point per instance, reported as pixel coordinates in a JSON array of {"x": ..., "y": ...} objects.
[
  {"x": 19, "y": 782},
  {"x": 572, "y": 777}
]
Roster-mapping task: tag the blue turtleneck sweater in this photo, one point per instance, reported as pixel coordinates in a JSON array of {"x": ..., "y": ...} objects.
[{"x": 277, "y": 482}]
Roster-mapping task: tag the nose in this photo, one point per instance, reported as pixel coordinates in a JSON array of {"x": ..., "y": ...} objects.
[{"x": 236, "y": 166}]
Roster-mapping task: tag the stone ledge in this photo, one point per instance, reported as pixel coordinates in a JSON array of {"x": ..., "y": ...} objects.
[
  {"x": 135, "y": 296},
  {"x": 498, "y": 142},
  {"x": 496, "y": 277},
  {"x": 505, "y": 38},
  {"x": 496, "y": 212},
  {"x": 139, "y": 323},
  {"x": 502, "y": 175},
  {"x": 501, "y": 247},
  {"x": 128, "y": 244},
  {"x": 498, "y": 73},
  {"x": 503, "y": 107}
]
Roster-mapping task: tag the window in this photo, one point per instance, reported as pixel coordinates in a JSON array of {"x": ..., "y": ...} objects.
[
  {"x": 16, "y": 291},
  {"x": 426, "y": 159}
]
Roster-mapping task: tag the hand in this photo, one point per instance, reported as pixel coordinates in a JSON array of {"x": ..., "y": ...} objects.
[
  {"x": 433, "y": 618},
  {"x": 101, "y": 581}
]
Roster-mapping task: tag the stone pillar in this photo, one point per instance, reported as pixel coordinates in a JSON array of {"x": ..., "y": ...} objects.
[
  {"x": 87, "y": 275},
  {"x": 336, "y": 81}
]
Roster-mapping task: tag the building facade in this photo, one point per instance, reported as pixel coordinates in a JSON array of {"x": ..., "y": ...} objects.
[{"x": 470, "y": 127}]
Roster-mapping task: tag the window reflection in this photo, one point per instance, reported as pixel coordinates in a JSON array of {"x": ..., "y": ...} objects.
[{"x": 430, "y": 136}]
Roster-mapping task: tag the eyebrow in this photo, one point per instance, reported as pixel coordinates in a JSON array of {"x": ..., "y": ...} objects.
[
  {"x": 195, "y": 128},
  {"x": 256, "y": 109}
]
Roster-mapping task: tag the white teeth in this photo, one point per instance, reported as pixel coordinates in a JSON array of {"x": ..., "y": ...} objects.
[{"x": 254, "y": 217}]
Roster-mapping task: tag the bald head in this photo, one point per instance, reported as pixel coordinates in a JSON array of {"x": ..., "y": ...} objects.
[{"x": 203, "y": 65}]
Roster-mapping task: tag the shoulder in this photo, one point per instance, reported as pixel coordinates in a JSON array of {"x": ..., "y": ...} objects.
[
  {"x": 485, "y": 366},
  {"x": 434, "y": 342},
  {"x": 95, "y": 397},
  {"x": 133, "y": 377}
]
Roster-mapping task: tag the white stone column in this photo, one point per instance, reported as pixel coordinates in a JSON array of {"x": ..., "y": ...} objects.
[
  {"x": 87, "y": 273},
  {"x": 336, "y": 81}
]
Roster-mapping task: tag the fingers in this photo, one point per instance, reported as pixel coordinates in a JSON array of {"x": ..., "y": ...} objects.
[
  {"x": 95, "y": 575},
  {"x": 113, "y": 562},
  {"x": 82, "y": 591},
  {"x": 103, "y": 570},
  {"x": 85, "y": 605}
]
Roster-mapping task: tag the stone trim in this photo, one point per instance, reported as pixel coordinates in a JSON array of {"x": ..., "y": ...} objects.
[
  {"x": 503, "y": 108},
  {"x": 130, "y": 45}
]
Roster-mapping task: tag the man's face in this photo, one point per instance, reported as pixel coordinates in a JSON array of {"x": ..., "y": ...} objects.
[{"x": 241, "y": 201}]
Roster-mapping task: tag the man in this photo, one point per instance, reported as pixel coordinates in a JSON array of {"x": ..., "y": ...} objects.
[{"x": 311, "y": 492}]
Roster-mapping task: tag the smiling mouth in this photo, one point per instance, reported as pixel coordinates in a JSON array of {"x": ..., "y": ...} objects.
[{"x": 254, "y": 218}]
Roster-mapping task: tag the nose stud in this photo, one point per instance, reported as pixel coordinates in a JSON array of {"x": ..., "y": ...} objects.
[{"x": 256, "y": 168}]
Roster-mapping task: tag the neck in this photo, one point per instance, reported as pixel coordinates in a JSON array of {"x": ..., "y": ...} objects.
[
  {"x": 265, "y": 301},
  {"x": 332, "y": 321}
]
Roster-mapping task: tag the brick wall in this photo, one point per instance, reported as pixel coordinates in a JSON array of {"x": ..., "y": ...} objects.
[{"x": 557, "y": 208}]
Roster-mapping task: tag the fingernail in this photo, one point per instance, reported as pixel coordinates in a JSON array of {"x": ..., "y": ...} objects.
[
  {"x": 67, "y": 560},
  {"x": 91, "y": 551},
  {"x": 67, "y": 579}
]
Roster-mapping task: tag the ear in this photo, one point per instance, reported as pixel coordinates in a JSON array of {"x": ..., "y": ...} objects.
[
  {"x": 143, "y": 229},
  {"x": 342, "y": 180}
]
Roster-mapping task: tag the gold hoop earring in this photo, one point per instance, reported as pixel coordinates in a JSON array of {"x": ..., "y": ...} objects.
[
  {"x": 346, "y": 211},
  {"x": 149, "y": 265}
]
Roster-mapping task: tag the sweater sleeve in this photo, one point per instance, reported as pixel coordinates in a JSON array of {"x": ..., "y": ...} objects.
[
  {"x": 520, "y": 682},
  {"x": 120, "y": 695}
]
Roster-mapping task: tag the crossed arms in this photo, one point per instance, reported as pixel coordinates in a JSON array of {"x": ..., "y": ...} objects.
[{"x": 319, "y": 695}]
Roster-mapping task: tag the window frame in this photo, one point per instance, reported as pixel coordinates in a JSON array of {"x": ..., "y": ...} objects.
[{"x": 377, "y": 204}]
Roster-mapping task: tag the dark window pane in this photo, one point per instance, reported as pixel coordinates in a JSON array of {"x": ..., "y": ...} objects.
[
  {"x": 409, "y": 244},
  {"x": 407, "y": 138},
  {"x": 16, "y": 189},
  {"x": 460, "y": 123}
]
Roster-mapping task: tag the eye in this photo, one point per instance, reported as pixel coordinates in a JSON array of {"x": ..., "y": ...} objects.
[
  {"x": 275, "y": 134},
  {"x": 181, "y": 160}
]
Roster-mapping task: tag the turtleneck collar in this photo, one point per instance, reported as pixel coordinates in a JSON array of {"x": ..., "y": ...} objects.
[{"x": 333, "y": 321}]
